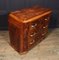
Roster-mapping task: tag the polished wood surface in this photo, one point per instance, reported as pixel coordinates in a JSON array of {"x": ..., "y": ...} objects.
[
  {"x": 30, "y": 14},
  {"x": 28, "y": 27}
]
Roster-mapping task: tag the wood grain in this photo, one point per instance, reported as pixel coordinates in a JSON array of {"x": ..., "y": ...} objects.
[{"x": 28, "y": 27}]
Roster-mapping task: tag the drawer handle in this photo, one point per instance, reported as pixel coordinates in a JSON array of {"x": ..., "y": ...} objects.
[
  {"x": 34, "y": 25},
  {"x": 32, "y": 42},
  {"x": 46, "y": 19},
  {"x": 45, "y": 26},
  {"x": 43, "y": 34},
  {"x": 33, "y": 34}
]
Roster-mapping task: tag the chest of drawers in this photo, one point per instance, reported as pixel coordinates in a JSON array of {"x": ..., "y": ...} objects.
[{"x": 28, "y": 27}]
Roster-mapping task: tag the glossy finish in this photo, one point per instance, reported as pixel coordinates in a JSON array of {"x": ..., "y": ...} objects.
[{"x": 27, "y": 31}]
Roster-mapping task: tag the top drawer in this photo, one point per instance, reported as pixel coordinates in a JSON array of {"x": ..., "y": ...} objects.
[{"x": 46, "y": 20}]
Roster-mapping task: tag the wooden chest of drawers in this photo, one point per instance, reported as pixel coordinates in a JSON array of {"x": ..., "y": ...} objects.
[{"x": 28, "y": 27}]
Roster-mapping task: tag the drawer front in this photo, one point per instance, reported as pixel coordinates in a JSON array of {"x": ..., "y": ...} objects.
[
  {"x": 44, "y": 31},
  {"x": 46, "y": 19}
]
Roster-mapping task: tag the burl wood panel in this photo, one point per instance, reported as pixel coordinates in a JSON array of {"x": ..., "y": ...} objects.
[{"x": 28, "y": 27}]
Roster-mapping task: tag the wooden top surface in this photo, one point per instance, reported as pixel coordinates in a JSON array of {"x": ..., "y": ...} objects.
[{"x": 29, "y": 14}]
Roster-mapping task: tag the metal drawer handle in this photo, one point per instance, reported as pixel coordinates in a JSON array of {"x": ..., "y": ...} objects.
[
  {"x": 43, "y": 34},
  {"x": 46, "y": 19},
  {"x": 33, "y": 34},
  {"x": 45, "y": 26},
  {"x": 34, "y": 25},
  {"x": 32, "y": 42}
]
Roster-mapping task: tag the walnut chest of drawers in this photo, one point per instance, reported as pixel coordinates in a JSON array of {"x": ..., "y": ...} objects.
[{"x": 28, "y": 27}]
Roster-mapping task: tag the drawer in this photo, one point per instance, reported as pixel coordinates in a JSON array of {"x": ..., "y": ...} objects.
[
  {"x": 44, "y": 30},
  {"x": 46, "y": 19}
]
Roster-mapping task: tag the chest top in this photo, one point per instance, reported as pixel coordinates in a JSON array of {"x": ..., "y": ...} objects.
[{"x": 29, "y": 14}]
